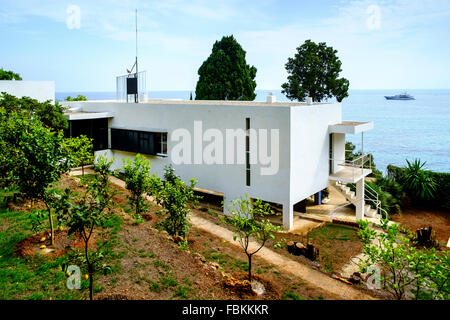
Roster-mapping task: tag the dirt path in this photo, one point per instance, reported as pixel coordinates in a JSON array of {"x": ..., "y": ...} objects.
[
  {"x": 309, "y": 275},
  {"x": 313, "y": 277}
]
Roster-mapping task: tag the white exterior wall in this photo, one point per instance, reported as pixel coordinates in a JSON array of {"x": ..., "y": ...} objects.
[
  {"x": 303, "y": 145},
  {"x": 310, "y": 148},
  {"x": 228, "y": 179},
  {"x": 338, "y": 151},
  {"x": 39, "y": 90}
]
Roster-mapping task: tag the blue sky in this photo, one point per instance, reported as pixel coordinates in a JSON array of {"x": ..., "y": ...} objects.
[{"x": 394, "y": 44}]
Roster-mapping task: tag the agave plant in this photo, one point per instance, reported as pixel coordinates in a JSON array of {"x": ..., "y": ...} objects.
[{"x": 417, "y": 181}]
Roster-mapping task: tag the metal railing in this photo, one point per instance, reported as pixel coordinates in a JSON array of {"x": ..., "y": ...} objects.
[
  {"x": 371, "y": 198},
  {"x": 357, "y": 165}
]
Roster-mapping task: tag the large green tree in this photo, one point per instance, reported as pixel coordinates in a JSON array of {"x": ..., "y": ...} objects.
[
  {"x": 314, "y": 72},
  {"x": 9, "y": 75},
  {"x": 51, "y": 115},
  {"x": 225, "y": 75}
]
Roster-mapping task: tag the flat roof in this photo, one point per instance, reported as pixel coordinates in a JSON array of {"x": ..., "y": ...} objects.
[
  {"x": 84, "y": 115},
  {"x": 351, "y": 127},
  {"x": 210, "y": 102}
]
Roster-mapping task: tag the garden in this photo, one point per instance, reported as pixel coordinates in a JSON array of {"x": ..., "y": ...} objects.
[{"x": 125, "y": 235}]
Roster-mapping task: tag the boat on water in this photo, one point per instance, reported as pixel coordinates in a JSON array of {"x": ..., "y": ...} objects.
[{"x": 402, "y": 96}]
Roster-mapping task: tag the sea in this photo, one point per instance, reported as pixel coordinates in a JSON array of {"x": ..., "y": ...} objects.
[{"x": 414, "y": 129}]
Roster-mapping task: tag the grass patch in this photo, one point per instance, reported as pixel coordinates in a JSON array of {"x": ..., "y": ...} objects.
[
  {"x": 334, "y": 232},
  {"x": 34, "y": 278},
  {"x": 290, "y": 296},
  {"x": 168, "y": 281}
]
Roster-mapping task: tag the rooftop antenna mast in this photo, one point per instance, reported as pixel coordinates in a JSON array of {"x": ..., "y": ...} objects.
[
  {"x": 132, "y": 82},
  {"x": 136, "y": 45}
]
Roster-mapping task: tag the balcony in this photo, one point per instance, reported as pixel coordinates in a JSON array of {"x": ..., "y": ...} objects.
[{"x": 351, "y": 171}]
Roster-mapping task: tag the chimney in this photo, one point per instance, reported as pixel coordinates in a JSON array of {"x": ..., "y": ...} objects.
[{"x": 271, "y": 98}]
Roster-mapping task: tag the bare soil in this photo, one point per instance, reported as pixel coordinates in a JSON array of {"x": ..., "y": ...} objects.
[
  {"x": 63, "y": 242},
  {"x": 415, "y": 218}
]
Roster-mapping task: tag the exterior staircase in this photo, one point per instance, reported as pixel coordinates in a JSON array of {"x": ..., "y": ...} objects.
[{"x": 370, "y": 197}]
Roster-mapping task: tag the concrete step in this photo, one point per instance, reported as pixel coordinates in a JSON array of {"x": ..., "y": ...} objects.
[{"x": 372, "y": 213}]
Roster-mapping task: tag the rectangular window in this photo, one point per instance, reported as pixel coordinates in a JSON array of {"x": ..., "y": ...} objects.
[
  {"x": 151, "y": 143},
  {"x": 161, "y": 144},
  {"x": 247, "y": 151},
  {"x": 330, "y": 151}
]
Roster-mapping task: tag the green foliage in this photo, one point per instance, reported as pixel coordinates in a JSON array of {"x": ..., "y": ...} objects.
[
  {"x": 92, "y": 211},
  {"x": 9, "y": 75},
  {"x": 405, "y": 270},
  {"x": 442, "y": 181},
  {"x": 314, "y": 72},
  {"x": 389, "y": 193},
  {"x": 138, "y": 181},
  {"x": 81, "y": 151},
  {"x": 418, "y": 182},
  {"x": 173, "y": 195},
  {"x": 249, "y": 222},
  {"x": 77, "y": 98},
  {"x": 225, "y": 75},
  {"x": 51, "y": 115},
  {"x": 36, "y": 158}
]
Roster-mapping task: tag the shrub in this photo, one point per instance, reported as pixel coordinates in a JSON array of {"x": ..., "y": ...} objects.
[
  {"x": 137, "y": 181},
  {"x": 405, "y": 270},
  {"x": 442, "y": 181},
  {"x": 173, "y": 195},
  {"x": 417, "y": 181}
]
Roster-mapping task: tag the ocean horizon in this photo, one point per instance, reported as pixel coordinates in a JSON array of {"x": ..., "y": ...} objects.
[{"x": 415, "y": 129}]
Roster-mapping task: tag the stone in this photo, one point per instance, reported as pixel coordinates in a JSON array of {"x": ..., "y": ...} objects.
[{"x": 214, "y": 265}]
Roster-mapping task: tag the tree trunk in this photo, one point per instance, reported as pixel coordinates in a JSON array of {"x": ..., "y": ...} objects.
[
  {"x": 52, "y": 231},
  {"x": 91, "y": 282},
  {"x": 82, "y": 170},
  {"x": 250, "y": 268}
]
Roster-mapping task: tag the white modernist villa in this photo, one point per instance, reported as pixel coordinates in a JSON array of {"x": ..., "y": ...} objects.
[{"x": 306, "y": 145}]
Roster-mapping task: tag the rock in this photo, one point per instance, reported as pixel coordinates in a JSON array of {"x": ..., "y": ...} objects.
[
  {"x": 214, "y": 265},
  {"x": 239, "y": 286},
  {"x": 258, "y": 288},
  {"x": 177, "y": 239},
  {"x": 199, "y": 257}
]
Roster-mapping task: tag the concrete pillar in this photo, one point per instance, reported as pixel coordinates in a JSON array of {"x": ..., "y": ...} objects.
[
  {"x": 318, "y": 198},
  {"x": 288, "y": 216},
  {"x": 360, "y": 199}
]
